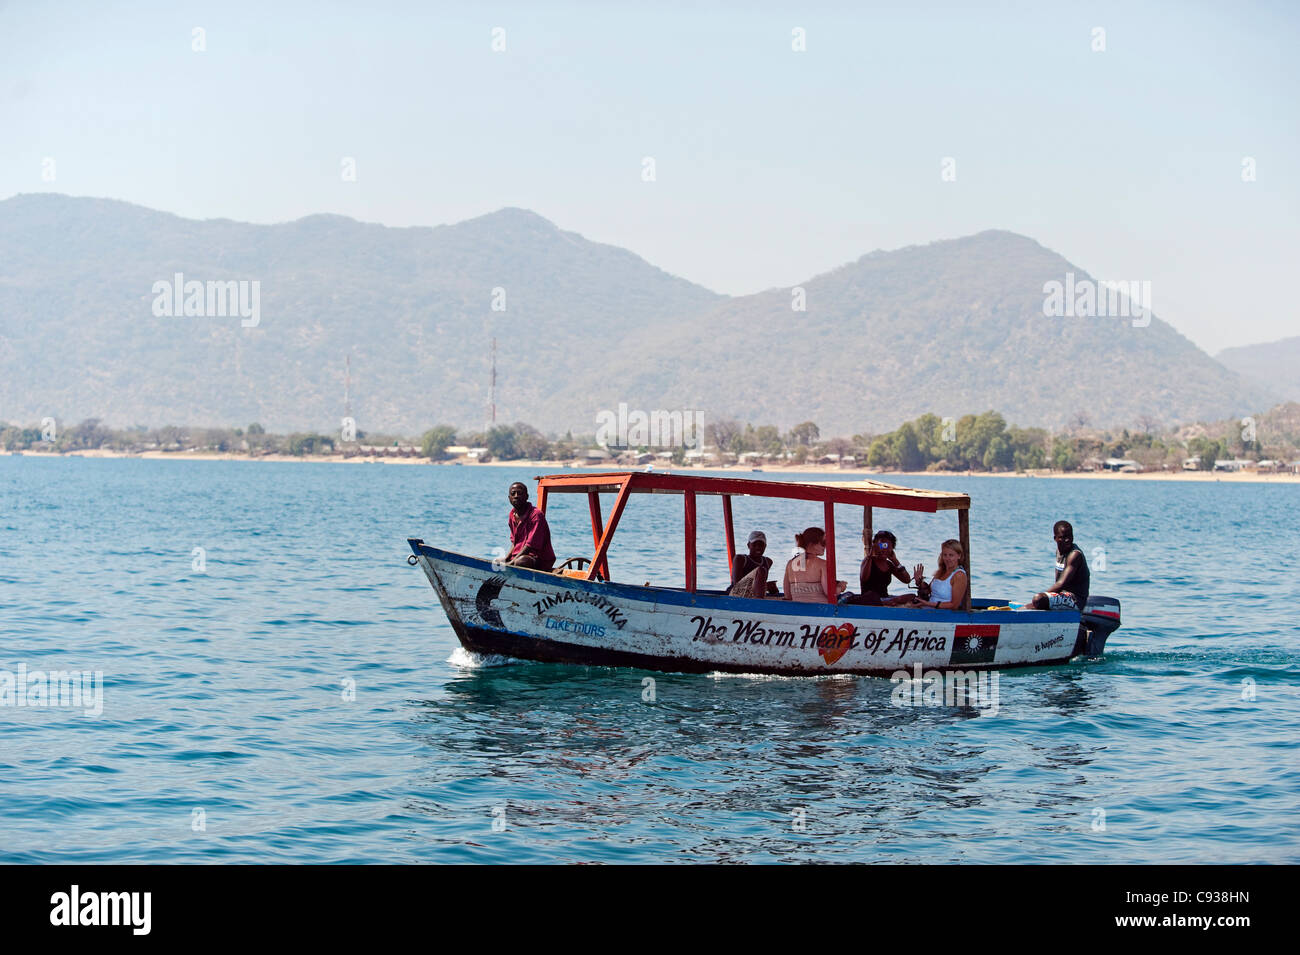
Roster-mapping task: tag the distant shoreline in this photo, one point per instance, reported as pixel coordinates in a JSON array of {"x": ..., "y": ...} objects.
[{"x": 1223, "y": 477}]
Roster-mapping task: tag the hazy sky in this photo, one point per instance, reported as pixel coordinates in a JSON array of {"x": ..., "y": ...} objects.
[{"x": 771, "y": 165}]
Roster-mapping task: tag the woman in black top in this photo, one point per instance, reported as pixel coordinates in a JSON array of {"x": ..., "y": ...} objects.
[{"x": 880, "y": 564}]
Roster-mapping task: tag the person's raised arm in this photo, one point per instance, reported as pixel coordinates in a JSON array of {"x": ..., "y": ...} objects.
[{"x": 900, "y": 572}]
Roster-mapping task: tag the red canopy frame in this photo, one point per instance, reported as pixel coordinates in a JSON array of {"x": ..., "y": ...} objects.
[{"x": 865, "y": 494}]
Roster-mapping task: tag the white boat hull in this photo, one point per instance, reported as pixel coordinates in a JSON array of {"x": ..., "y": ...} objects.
[{"x": 541, "y": 616}]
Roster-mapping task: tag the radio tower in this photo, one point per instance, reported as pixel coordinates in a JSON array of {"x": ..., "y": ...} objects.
[
  {"x": 347, "y": 387},
  {"x": 492, "y": 386}
]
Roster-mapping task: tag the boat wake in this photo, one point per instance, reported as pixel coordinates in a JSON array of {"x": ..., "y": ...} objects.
[
  {"x": 770, "y": 677},
  {"x": 469, "y": 660}
]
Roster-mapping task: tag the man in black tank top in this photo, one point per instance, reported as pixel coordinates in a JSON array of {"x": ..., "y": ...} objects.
[
  {"x": 1070, "y": 589},
  {"x": 742, "y": 565}
]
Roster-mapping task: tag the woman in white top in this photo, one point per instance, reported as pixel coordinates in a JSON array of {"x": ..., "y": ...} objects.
[
  {"x": 805, "y": 574},
  {"x": 948, "y": 588}
]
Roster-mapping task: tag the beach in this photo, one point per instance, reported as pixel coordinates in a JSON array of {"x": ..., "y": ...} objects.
[{"x": 848, "y": 474}]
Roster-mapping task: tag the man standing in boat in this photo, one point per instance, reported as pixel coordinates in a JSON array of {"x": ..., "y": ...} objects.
[
  {"x": 1070, "y": 591},
  {"x": 530, "y": 536}
]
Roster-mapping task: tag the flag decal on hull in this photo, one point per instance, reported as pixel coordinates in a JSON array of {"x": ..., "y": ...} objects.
[{"x": 974, "y": 643}]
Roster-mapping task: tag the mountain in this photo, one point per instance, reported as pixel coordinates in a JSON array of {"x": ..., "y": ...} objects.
[
  {"x": 951, "y": 327},
  {"x": 1274, "y": 365},
  {"x": 413, "y": 307}
]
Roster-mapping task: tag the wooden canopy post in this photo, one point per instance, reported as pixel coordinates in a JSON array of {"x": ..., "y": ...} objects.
[
  {"x": 689, "y": 497},
  {"x": 963, "y": 529},
  {"x": 866, "y": 528},
  {"x": 731, "y": 532},
  {"x": 832, "y": 589},
  {"x": 597, "y": 525},
  {"x": 541, "y": 498},
  {"x": 601, "y": 558}
]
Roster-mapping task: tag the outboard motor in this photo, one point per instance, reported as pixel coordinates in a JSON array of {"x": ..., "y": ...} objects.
[{"x": 1100, "y": 618}]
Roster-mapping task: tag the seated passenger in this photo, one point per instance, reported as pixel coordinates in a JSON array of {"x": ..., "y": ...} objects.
[
  {"x": 749, "y": 571},
  {"x": 805, "y": 574},
  {"x": 530, "y": 536},
  {"x": 948, "y": 588},
  {"x": 880, "y": 564},
  {"x": 1070, "y": 589}
]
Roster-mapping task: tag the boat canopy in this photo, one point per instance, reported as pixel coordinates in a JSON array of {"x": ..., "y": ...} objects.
[{"x": 866, "y": 494}]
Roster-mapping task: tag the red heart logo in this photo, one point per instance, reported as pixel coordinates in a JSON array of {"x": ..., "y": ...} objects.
[{"x": 838, "y": 638}]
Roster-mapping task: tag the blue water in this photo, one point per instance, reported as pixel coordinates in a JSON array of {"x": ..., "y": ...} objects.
[{"x": 227, "y": 735}]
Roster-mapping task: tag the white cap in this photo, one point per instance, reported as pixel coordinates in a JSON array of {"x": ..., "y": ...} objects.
[{"x": 757, "y": 536}]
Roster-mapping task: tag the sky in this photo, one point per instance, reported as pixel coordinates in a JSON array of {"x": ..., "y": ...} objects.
[{"x": 1169, "y": 155}]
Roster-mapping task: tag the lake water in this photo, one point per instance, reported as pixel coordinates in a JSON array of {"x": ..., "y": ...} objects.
[{"x": 289, "y": 692}]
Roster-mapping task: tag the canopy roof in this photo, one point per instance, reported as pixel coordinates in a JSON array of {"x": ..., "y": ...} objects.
[{"x": 862, "y": 493}]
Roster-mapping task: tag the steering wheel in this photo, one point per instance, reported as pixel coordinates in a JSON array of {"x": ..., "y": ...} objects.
[{"x": 578, "y": 563}]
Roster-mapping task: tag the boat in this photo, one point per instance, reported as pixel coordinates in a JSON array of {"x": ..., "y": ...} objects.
[{"x": 580, "y": 614}]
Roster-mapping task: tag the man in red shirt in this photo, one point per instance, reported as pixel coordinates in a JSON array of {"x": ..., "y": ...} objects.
[{"x": 530, "y": 537}]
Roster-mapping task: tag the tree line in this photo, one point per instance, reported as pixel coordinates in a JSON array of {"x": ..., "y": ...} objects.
[{"x": 973, "y": 442}]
